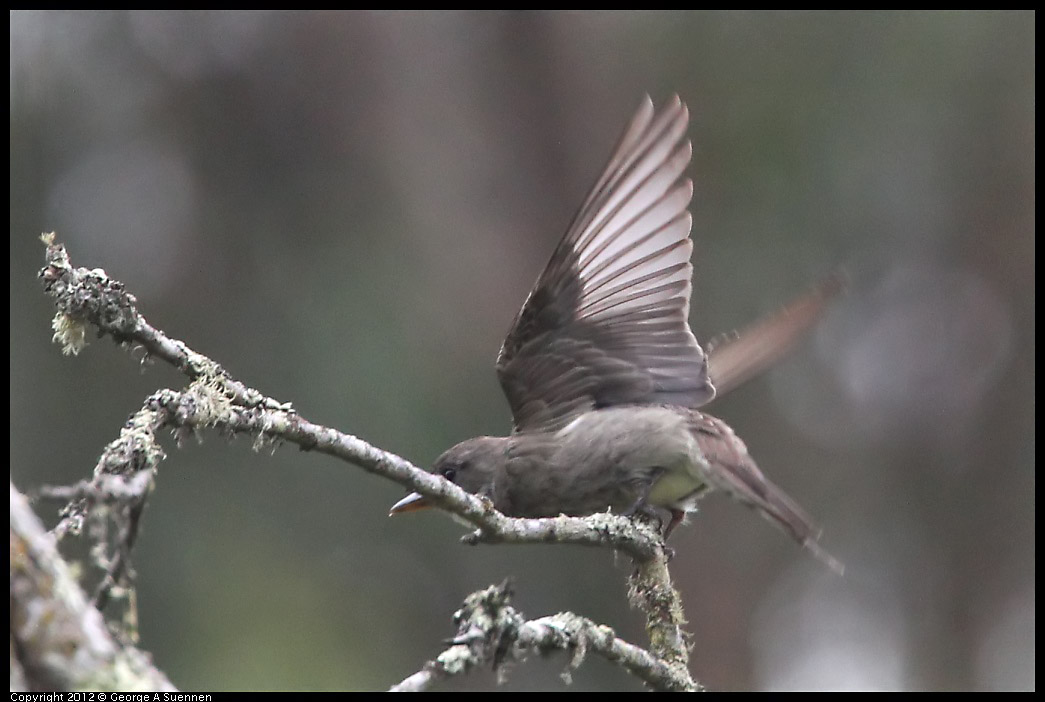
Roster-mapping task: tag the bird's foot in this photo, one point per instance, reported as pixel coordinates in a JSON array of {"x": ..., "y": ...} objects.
[{"x": 644, "y": 512}]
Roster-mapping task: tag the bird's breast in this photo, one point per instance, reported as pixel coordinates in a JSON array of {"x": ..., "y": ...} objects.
[{"x": 618, "y": 452}]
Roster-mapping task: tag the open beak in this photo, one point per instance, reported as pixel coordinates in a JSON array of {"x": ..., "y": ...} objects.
[{"x": 411, "y": 503}]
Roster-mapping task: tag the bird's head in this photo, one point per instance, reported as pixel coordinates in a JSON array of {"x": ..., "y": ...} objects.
[{"x": 472, "y": 465}]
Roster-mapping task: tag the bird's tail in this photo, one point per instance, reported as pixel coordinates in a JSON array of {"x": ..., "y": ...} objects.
[
  {"x": 731, "y": 468},
  {"x": 774, "y": 504}
]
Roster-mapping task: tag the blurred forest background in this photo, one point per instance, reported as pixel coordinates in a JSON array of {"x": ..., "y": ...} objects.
[{"x": 346, "y": 210}]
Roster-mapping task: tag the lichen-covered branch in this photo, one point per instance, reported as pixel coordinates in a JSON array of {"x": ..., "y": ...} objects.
[
  {"x": 111, "y": 504},
  {"x": 650, "y": 591},
  {"x": 491, "y": 632},
  {"x": 85, "y": 296},
  {"x": 58, "y": 640},
  {"x": 215, "y": 400}
]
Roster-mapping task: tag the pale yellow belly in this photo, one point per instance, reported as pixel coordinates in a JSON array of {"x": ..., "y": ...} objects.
[
  {"x": 674, "y": 486},
  {"x": 637, "y": 443}
]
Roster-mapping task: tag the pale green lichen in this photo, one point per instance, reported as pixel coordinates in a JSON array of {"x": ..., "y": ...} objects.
[
  {"x": 210, "y": 399},
  {"x": 456, "y": 660},
  {"x": 70, "y": 333}
]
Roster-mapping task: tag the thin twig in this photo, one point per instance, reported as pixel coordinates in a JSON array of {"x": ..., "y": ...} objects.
[
  {"x": 58, "y": 640},
  {"x": 216, "y": 400},
  {"x": 491, "y": 632}
]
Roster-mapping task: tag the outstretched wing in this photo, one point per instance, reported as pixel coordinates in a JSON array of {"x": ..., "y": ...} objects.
[
  {"x": 738, "y": 357},
  {"x": 607, "y": 321}
]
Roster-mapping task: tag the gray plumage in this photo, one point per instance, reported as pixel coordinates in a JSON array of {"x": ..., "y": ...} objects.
[{"x": 602, "y": 372}]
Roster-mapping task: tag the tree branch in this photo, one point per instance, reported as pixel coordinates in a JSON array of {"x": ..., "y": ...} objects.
[
  {"x": 58, "y": 640},
  {"x": 491, "y": 632},
  {"x": 215, "y": 399}
]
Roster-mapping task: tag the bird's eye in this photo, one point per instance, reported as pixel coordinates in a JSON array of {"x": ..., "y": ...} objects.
[{"x": 449, "y": 473}]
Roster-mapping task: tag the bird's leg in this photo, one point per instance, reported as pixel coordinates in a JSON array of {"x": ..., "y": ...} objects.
[
  {"x": 640, "y": 506},
  {"x": 677, "y": 515},
  {"x": 642, "y": 509}
]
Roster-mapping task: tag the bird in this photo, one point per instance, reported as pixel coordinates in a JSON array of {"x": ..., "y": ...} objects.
[{"x": 603, "y": 374}]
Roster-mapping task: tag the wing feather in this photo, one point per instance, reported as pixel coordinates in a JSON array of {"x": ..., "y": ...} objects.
[{"x": 607, "y": 321}]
